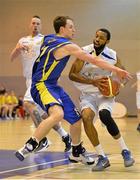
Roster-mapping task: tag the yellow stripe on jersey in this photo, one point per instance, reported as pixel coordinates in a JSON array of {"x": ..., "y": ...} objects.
[
  {"x": 50, "y": 70},
  {"x": 94, "y": 54},
  {"x": 45, "y": 75},
  {"x": 44, "y": 49},
  {"x": 45, "y": 95},
  {"x": 110, "y": 87}
]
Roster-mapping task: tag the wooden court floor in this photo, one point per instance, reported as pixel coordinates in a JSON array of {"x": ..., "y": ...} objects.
[{"x": 53, "y": 163}]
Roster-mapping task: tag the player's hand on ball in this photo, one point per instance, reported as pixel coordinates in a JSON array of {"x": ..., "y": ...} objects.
[
  {"x": 109, "y": 86},
  {"x": 102, "y": 83}
]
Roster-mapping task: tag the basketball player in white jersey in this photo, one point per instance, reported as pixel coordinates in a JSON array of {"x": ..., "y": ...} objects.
[
  {"x": 138, "y": 99},
  {"x": 87, "y": 78},
  {"x": 28, "y": 48}
]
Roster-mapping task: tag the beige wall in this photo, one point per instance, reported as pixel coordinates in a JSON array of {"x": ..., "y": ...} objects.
[{"x": 121, "y": 17}]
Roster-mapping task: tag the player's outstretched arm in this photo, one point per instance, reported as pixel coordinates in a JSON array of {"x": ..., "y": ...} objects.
[{"x": 79, "y": 53}]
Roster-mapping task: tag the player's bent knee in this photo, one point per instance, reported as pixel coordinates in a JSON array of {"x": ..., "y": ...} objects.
[
  {"x": 107, "y": 120},
  {"x": 58, "y": 114},
  {"x": 86, "y": 118},
  {"x": 105, "y": 116}
]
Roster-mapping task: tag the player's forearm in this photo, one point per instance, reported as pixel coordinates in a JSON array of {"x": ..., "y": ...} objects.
[
  {"x": 80, "y": 79},
  {"x": 104, "y": 65},
  {"x": 96, "y": 61}
]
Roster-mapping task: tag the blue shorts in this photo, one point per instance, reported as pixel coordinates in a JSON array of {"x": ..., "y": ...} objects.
[{"x": 47, "y": 95}]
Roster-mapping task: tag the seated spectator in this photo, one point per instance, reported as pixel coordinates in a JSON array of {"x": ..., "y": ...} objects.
[
  {"x": 2, "y": 89},
  {"x": 11, "y": 101},
  {"x": 19, "y": 111},
  {"x": 3, "y": 106}
]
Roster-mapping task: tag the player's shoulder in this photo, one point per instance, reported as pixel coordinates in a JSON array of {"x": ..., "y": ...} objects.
[
  {"x": 110, "y": 50},
  {"x": 53, "y": 40},
  {"x": 40, "y": 35},
  {"x": 88, "y": 48},
  {"x": 112, "y": 53},
  {"x": 23, "y": 38}
]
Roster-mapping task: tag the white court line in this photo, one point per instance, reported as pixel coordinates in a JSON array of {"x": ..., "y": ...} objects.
[
  {"x": 27, "y": 167},
  {"x": 112, "y": 156}
]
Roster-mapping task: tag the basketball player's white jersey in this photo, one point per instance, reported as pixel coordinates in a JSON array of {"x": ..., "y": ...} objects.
[
  {"x": 92, "y": 71},
  {"x": 29, "y": 56}
]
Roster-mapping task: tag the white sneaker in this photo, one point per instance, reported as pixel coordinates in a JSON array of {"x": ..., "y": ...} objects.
[
  {"x": 22, "y": 153},
  {"x": 81, "y": 158}
]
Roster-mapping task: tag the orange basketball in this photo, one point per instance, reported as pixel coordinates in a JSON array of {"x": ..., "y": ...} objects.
[{"x": 112, "y": 87}]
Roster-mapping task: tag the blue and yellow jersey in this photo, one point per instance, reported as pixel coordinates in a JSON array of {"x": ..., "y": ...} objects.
[{"x": 46, "y": 67}]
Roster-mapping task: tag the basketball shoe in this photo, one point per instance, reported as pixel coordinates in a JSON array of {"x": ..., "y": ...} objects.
[
  {"x": 31, "y": 146},
  {"x": 128, "y": 160},
  {"x": 43, "y": 145},
  {"x": 67, "y": 141},
  {"x": 27, "y": 149},
  {"x": 79, "y": 154},
  {"x": 101, "y": 164}
]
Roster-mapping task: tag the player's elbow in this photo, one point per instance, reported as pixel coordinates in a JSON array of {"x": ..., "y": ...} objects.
[{"x": 71, "y": 76}]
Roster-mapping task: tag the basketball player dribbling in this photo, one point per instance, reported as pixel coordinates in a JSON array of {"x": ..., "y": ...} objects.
[{"x": 87, "y": 77}]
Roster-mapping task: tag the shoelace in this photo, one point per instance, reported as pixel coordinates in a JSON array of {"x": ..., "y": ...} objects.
[{"x": 100, "y": 159}]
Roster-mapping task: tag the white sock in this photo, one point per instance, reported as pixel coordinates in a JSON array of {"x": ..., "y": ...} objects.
[
  {"x": 122, "y": 143},
  {"x": 100, "y": 150},
  {"x": 62, "y": 132},
  {"x": 76, "y": 144}
]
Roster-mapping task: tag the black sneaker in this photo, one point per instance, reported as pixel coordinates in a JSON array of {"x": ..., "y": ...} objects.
[
  {"x": 79, "y": 154},
  {"x": 138, "y": 128},
  {"x": 43, "y": 145},
  {"x": 67, "y": 141},
  {"x": 26, "y": 150}
]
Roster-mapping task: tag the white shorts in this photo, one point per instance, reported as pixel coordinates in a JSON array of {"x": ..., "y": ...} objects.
[
  {"x": 28, "y": 97},
  {"x": 138, "y": 99},
  {"x": 96, "y": 102}
]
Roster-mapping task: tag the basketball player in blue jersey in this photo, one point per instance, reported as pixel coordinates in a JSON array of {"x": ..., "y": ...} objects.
[
  {"x": 55, "y": 52},
  {"x": 87, "y": 78},
  {"x": 28, "y": 49}
]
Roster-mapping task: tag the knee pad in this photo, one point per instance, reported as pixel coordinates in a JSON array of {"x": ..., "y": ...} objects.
[{"x": 107, "y": 120}]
